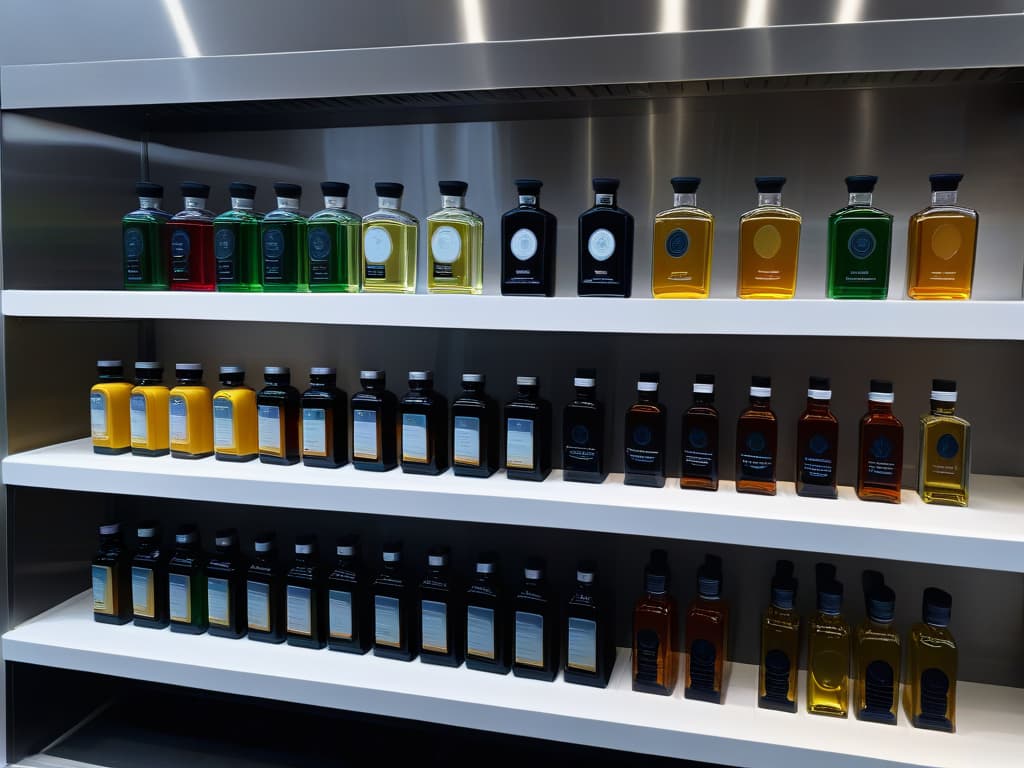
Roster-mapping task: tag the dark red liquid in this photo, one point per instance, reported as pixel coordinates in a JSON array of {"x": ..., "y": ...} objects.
[{"x": 190, "y": 256}]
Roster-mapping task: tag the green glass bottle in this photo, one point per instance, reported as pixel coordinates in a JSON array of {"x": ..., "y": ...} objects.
[
  {"x": 186, "y": 578},
  {"x": 142, "y": 238},
  {"x": 283, "y": 243},
  {"x": 334, "y": 241},
  {"x": 236, "y": 242},
  {"x": 859, "y": 241}
]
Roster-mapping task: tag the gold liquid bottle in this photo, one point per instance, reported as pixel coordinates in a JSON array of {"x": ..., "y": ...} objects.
[
  {"x": 769, "y": 245},
  {"x": 235, "y": 431},
  {"x": 109, "y": 409},
  {"x": 655, "y": 633},
  {"x": 945, "y": 463},
  {"x": 933, "y": 664},
  {"x": 191, "y": 414},
  {"x": 683, "y": 239},
  {"x": 828, "y": 653},
  {"x": 780, "y": 643},
  {"x": 455, "y": 244},
  {"x": 941, "y": 243},
  {"x": 390, "y": 237},
  {"x": 148, "y": 405},
  {"x": 879, "y": 655}
]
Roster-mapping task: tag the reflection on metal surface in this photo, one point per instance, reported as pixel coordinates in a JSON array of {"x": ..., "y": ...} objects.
[
  {"x": 849, "y": 11},
  {"x": 756, "y": 13},
  {"x": 473, "y": 21},
  {"x": 182, "y": 28},
  {"x": 672, "y": 16}
]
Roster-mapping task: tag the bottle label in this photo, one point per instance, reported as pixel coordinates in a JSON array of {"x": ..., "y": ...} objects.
[
  {"x": 179, "y": 419},
  {"x": 861, "y": 244},
  {"x": 519, "y": 444},
  {"x": 578, "y": 450},
  {"x": 143, "y": 593},
  {"x": 648, "y": 646},
  {"x": 815, "y": 465},
  {"x": 179, "y": 589},
  {"x": 582, "y": 645},
  {"x": 699, "y": 458},
  {"x": 638, "y": 450},
  {"x": 776, "y": 676},
  {"x": 300, "y": 611},
  {"x": 134, "y": 252},
  {"x": 270, "y": 430},
  {"x": 181, "y": 251},
  {"x": 377, "y": 248},
  {"x": 935, "y": 692},
  {"x": 480, "y": 632},
  {"x": 273, "y": 255},
  {"x": 434, "y": 625},
  {"x": 223, "y": 424},
  {"x": 98, "y": 415},
  {"x": 880, "y": 687},
  {"x": 677, "y": 243},
  {"x": 702, "y": 664},
  {"x": 767, "y": 243},
  {"x": 414, "y": 437},
  {"x": 103, "y": 590},
  {"x": 881, "y": 464},
  {"x": 445, "y": 248},
  {"x": 137, "y": 411},
  {"x": 364, "y": 434},
  {"x": 466, "y": 449},
  {"x": 319, "y": 255},
  {"x": 529, "y": 639},
  {"x": 224, "y": 242},
  {"x": 257, "y": 600},
  {"x": 523, "y": 244},
  {"x": 756, "y": 460},
  {"x": 314, "y": 432},
  {"x": 601, "y": 244},
  {"x": 218, "y": 602},
  {"x": 339, "y": 614},
  {"x": 387, "y": 621}
]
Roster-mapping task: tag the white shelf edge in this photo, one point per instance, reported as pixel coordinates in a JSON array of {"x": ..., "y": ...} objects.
[{"x": 989, "y": 534}]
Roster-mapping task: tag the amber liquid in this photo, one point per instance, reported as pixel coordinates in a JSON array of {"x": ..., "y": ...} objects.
[
  {"x": 655, "y": 664},
  {"x": 931, "y": 691},
  {"x": 828, "y": 666},
  {"x": 817, "y": 445},
  {"x": 769, "y": 247},
  {"x": 707, "y": 632},
  {"x": 681, "y": 260},
  {"x": 880, "y": 465},
  {"x": 941, "y": 242},
  {"x": 757, "y": 436},
  {"x": 700, "y": 447}
]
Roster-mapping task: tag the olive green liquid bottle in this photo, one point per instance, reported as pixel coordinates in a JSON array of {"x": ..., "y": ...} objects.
[
  {"x": 111, "y": 578},
  {"x": 186, "y": 576}
]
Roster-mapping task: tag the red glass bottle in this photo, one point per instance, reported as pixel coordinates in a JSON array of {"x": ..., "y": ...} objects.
[{"x": 190, "y": 242}]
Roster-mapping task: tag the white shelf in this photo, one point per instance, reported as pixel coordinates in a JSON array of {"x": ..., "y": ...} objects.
[
  {"x": 990, "y": 718},
  {"x": 1000, "y": 320},
  {"x": 989, "y": 534}
]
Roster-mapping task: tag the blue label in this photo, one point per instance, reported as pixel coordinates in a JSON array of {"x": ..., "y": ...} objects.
[
  {"x": 224, "y": 242},
  {"x": 861, "y": 244},
  {"x": 273, "y": 254},
  {"x": 947, "y": 447},
  {"x": 434, "y": 626},
  {"x": 480, "y": 631},
  {"x": 319, "y": 244},
  {"x": 881, "y": 448},
  {"x": 134, "y": 250},
  {"x": 466, "y": 443},
  {"x": 698, "y": 438},
  {"x": 519, "y": 444},
  {"x": 529, "y": 639},
  {"x": 818, "y": 444},
  {"x": 580, "y": 435},
  {"x": 642, "y": 435},
  {"x": 387, "y": 621},
  {"x": 756, "y": 442},
  {"x": 677, "y": 243},
  {"x": 181, "y": 249},
  {"x": 581, "y": 645}
]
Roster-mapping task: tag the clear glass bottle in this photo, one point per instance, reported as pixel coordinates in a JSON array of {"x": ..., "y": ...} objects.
[
  {"x": 148, "y": 417},
  {"x": 588, "y": 645},
  {"x": 769, "y": 244},
  {"x": 933, "y": 665},
  {"x": 945, "y": 464},
  {"x": 645, "y": 436},
  {"x": 880, "y": 464},
  {"x": 305, "y": 597},
  {"x": 583, "y": 432},
  {"x": 941, "y": 244},
  {"x": 283, "y": 239},
  {"x": 440, "y": 613},
  {"x": 349, "y": 608},
  {"x": 655, "y": 633},
  {"x": 700, "y": 437},
  {"x": 265, "y": 592},
  {"x": 817, "y": 443},
  {"x": 488, "y": 635},
  {"x": 324, "y": 421},
  {"x": 757, "y": 441},
  {"x": 278, "y": 407},
  {"x": 149, "y": 577},
  {"x": 424, "y": 426},
  {"x": 528, "y": 244},
  {"x": 605, "y": 245},
  {"x": 236, "y": 242},
  {"x": 374, "y": 424},
  {"x": 334, "y": 243},
  {"x": 707, "y": 635},
  {"x": 395, "y": 629},
  {"x": 535, "y": 643},
  {"x": 186, "y": 581},
  {"x": 780, "y": 644},
  {"x": 828, "y": 654},
  {"x": 111, "y": 578},
  {"x": 390, "y": 239},
  {"x": 859, "y": 244},
  {"x": 527, "y": 432},
  {"x": 475, "y": 430},
  {"x": 110, "y": 409},
  {"x": 879, "y": 656},
  {"x": 191, "y": 414},
  {"x": 235, "y": 420},
  {"x": 190, "y": 242},
  {"x": 225, "y": 586},
  {"x": 683, "y": 240},
  {"x": 455, "y": 244},
  {"x": 144, "y": 241}
]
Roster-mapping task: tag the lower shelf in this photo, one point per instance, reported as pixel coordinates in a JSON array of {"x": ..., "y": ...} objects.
[{"x": 990, "y": 718}]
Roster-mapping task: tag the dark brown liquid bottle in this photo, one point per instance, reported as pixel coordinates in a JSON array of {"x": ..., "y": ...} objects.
[
  {"x": 817, "y": 443},
  {"x": 424, "y": 415},
  {"x": 324, "y": 421},
  {"x": 587, "y": 640},
  {"x": 527, "y": 432},
  {"x": 707, "y": 635},
  {"x": 374, "y": 424},
  {"x": 700, "y": 437},
  {"x": 277, "y": 406},
  {"x": 757, "y": 437},
  {"x": 655, "y": 635},
  {"x": 475, "y": 430},
  {"x": 880, "y": 460},
  {"x": 645, "y": 435},
  {"x": 111, "y": 578}
]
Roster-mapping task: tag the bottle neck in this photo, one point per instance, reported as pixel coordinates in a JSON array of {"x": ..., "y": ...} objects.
[
  {"x": 195, "y": 203},
  {"x": 346, "y": 562},
  {"x": 472, "y": 387},
  {"x": 147, "y": 382},
  {"x": 875, "y": 406},
  {"x": 242, "y": 204},
  {"x": 265, "y": 558},
  {"x": 944, "y": 197},
  {"x": 335, "y": 203},
  {"x": 288, "y": 203},
  {"x": 759, "y": 402},
  {"x": 703, "y": 398},
  {"x": 277, "y": 381},
  {"x": 861, "y": 198},
  {"x": 586, "y": 393},
  {"x": 527, "y": 390},
  {"x": 420, "y": 386},
  {"x": 604, "y": 198},
  {"x": 942, "y": 408},
  {"x": 389, "y": 203},
  {"x": 453, "y": 201},
  {"x": 647, "y": 397},
  {"x": 688, "y": 199},
  {"x": 372, "y": 385},
  {"x": 529, "y": 201},
  {"x": 818, "y": 406},
  {"x": 769, "y": 198},
  {"x": 150, "y": 203}
]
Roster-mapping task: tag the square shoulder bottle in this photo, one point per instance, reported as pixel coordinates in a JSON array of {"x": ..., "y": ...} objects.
[
  {"x": 780, "y": 643},
  {"x": 655, "y": 631},
  {"x": 143, "y": 237},
  {"x": 475, "y": 430},
  {"x": 390, "y": 238},
  {"x": 817, "y": 443},
  {"x": 587, "y": 643},
  {"x": 441, "y": 613},
  {"x": 283, "y": 240},
  {"x": 333, "y": 236},
  {"x": 880, "y": 463},
  {"x": 374, "y": 424},
  {"x": 265, "y": 592},
  {"x": 424, "y": 414},
  {"x": 941, "y": 243},
  {"x": 945, "y": 464},
  {"x": 236, "y": 242},
  {"x": 644, "y": 455},
  {"x": 324, "y": 420},
  {"x": 931, "y": 689},
  {"x": 111, "y": 578},
  {"x": 488, "y": 629},
  {"x": 395, "y": 630},
  {"x": 769, "y": 245},
  {"x": 707, "y": 636},
  {"x": 527, "y": 432},
  {"x": 190, "y": 242},
  {"x": 757, "y": 441},
  {"x": 859, "y": 244},
  {"x": 683, "y": 240},
  {"x": 349, "y": 610},
  {"x": 149, "y": 578},
  {"x": 605, "y": 245},
  {"x": 878, "y": 659},
  {"x": 700, "y": 437},
  {"x": 535, "y": 620},
  {"x": 583, "y": 432},
  {"x": 455, "y": 244},
  {"x": 528, "y": 245}
]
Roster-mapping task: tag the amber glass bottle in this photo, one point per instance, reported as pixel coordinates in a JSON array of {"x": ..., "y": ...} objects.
[
  {"x": 780, "y": 643},
  {"x": 645, "y": 435},
  {"x": 278, "y": 408},
  {"x": 769, "y": 245},
  {"x": 395, "y": 629},
  {"x": 111, "y": 578},
  {"x": 817, "y": 443},
  {"x": 475, "y": 430},
  {"x": 880, "y": 463},
  {"x": 149, "y": 578},
  {"x": 828, "y": 653},
  {"x": 757, "y": 437},
  {"x": 878, "y": 658},
  {"x": 941, "y": 243},
  {"x": 424, "y": 434},
  {"x": 933, "y": 666},
  {"x": 707, "y": 635},
  {"x": 700, "y": 437},
  {"x": 324, "y": 421},
  {"x": 655, "y": 640},
  {"x": 683, "y": 238},
  {"x": 374, "y": 424}
]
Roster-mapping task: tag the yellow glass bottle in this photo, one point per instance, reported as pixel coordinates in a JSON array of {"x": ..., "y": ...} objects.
[
  {"x": 944, "y": 472},
  {"x": 941, "y": 243},
  {"x": 780, "y": 643},
  {"x": 235, "y": 431},
  {"x": 148, "y": 404},
  {"x": 683, "y": 240},
  {"x": 828, "y": 654},
  {"x": 931, "y": 689},
  {"x": 390, "y": 239},
  {"x": 769, "y": 245},
  {"x": 191, "y": 414},
  {"x": 879, "y": 656},
  {"x": 455, "y": 244},
  {"x": 109, "y": 409}
]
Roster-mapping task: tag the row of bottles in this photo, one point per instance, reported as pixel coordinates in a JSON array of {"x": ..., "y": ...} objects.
[
  {"x": 337, "y": 250},
  {"x": 424, "y": 435}
]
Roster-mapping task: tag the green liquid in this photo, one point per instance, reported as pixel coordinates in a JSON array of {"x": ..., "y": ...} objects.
[
  {"x": 859, "y": 241},
  {"x": 236, "y": 251},
  {"x": 333, "y": 245},
  {"x": 285, "y": 263},
  {"x": 145, "y": 268}
]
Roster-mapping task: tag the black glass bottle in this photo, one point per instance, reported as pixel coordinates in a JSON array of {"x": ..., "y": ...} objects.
[
  {"x": 583, "y": 441},
  {"x": 535, "y": 621},
  {"x": 277, "y": 405},
  {"x": 324, "y": 421},
  {"x": 424, "y": 426},
  {"x": 374, "y": 424},
  {"x": 149, "y": 577},
  {"x": 395, "y": 630},
  {"x": 441, "y": 613},
  {"x": 528, "y": 245},
  {"x": 225, "y": 587},
  {"x": 475, "y": 430},
  {"x": 605, "y": 245},
  {"x": 306, "y": 599},
  {"x": 645, "y": 435},
  {"x": 186, "y": 579},
  {"x": 488, "y": 633},
  {"x": 700, "y": 437},
  {"x": 587, "y": 643},
  {"x": 349, "y": 608},
  {"x": 111, "y": 578},
  {"x": 527, "y": 432},
  {"x": 264, "y": 592},
  {"x": 817, "y": 443}
]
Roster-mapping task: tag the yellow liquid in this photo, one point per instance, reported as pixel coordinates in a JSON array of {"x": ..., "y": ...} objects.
[
  {"x": 828, "y": 666},
  {"x": 780, "y": 632},
  {"x": 239, "y": 439},
  {"x": 944, "y": 475},
  {"x": 115, "y": 434},
  {"x": 196, "y": 440},
  {"x": 153, "y": 437},
  {"x": 455, "y": 244},
  {"x": 932, "y": 651},
  {"x": 941, "y": 244},
  {"x": 688, "y": 275},
  {"x": 389, "y": 256},
  {"x": 769, "y": 249},
  {"x": 878, "y": 645}
]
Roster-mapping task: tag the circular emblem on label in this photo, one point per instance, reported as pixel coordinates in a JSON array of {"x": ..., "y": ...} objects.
[
  {"x": 756, "y": 442},
  {"x": 767, "y": 241},
  {"x": 580, "y": 434},
  {"x": 677, "y": 243},
  {"x": 698, "y": 438},
  {"x": 377, "y": 245},
  {"x": 523, "y": 244},
  {"x": 134, "y": 243},
  {"x": 881, "y": 448},
  {"x": 446, "y": 244},
  {"x": 273, "y": 244},
  {"x": 946, "y": 241},
  {"x": 601, "y": 244},
  {"x": 224, "y": 244},
  {"x": 181, "y": 246},
  {"x": 947, "y": 447},
  {"x": 319, "y": 244},
  {"x": 861, "y": 244},
  {"x": 818, "y": 444},
  {"x": 642, "y": 435}
]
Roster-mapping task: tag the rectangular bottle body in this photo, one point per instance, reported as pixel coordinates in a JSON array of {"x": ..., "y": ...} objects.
[
  {"x": 191, "y": 422},
  {"x": 769, "y": 250},
  {"x": 374, "y": 431},
  {"x": 389, "y": 256},
  {"x": 111, "y": 588},
  {"x": 880, "y": 466},
  {"x": 225, "y": 598},
  {"x": 186, "y": 579},
  {"x": 879, "y": 655},
  {"x": 455, "y": 245},
  {"x": 441, "y": 631},
  {"x": 278, "y": 426},
  {"x": 235, "y": 433},
  {"x": 583, "y": 443},
  {"x": 474, "y": 434},
  {"x": 285, "y": 261},
  {"x": 528, "y": 248},
  {"x": 932, "y": 685},
  {"x": 528, "y": 439},
  {"x": 757, "y": 435},
  {"x": 488, "y": 631},
  {"x": 191, "y": 257},
  {"x": 828, "y": 666},
  {"x": 588, "y": 650},
  {"x": 945, "y": 464},
  {"x": 145, "y": 249},
  {"x": 645, "y": 445},
  {"x": 395, "y": 626},
  {"x": 236, "y": 250},
  {"x": 655, "y": 646},
  {"x": 605, "y": 253},
  {"x": 941, "y": 244},
  {"x": 110, "y": 417},
  {"x": 859, "y": 245},
  {"x": 424, "y": 443},
  {"x": 333, "y": 248},
  {"x": 149, "y": 422},
  {"x": 817, "y": 448},
  {"x": 707, "y": 633},
  {"x": 349, "y": 612},
  {"x": 535, "y": 642},
  {"x": 265, "y": 603},
  {"x": 700, "y": 449},
  {"x": 149, "y": 590},
  {"x": 780, "y": 660},
  {"x": 324, "y": 429},
  {"x": 305, "y": 607},
  {"x": 681, "y": 258}
]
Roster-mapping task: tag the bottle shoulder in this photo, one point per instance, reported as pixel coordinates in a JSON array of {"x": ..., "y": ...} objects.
[
  {"x": 931, "y": 636},
  {"x": 237, "y": 217},
  {"x": 684, "y": 213},
  {"x": 881, "y": 420},
  {"x": 528, "y": 214},
  {"x": 390, "y": 215},
  {"x": 335, "y": 216},
  {"x": 771, "y": 212},
  {"x": 943, "y": 211},
  {"x": 147, "y": 215},
  {"x": 654, "y": 409},
  {"x": 280, "y": 216},
  {"x": 860, "y": 212},
  {"x": 935, "y": 419},
  {"x": 456, "y": 215},
  {"x": 194, "y": 216},
  {"x": 608, "y": 213}
]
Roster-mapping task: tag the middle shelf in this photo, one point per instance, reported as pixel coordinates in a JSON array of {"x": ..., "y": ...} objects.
[{"x": 989, "y": 534}]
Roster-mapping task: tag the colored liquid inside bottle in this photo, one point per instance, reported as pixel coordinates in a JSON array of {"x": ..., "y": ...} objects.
[
  {"x": 265, "y": 592},
  {"x": 390, "y": 239},
  {"x": 374, "y": 424},
  {"x": 859, "y": 244},
  {"x": 334, "y": 243},
  {"x": 305, "y": 597},
  {"x": 111, "y": 578},
  {"x": 225, "y": 587},
  {"x": 475, "y": 430},
  {"x": 944, "y": 470},
  {"x": 191, "y": 414},
  {"x": 277, "y": 407},
  {"x": 605, "y": 245},
  {"x": 186, "y": 578},
  {"x": 707, "y": 636},
  {"x": 149, "y": 578},
  {"x": 488, "y": 636},
  {"x": 587, "y": 645},
  {"x": 528, "y": 245},
  {"x": 395, "y": 625},
  {"x": 655, "y": 641},
  {"x": 683, "y": 239},
  {"x": 455, "y": 244},
  {"x": 144, "y": 241},
  {"x": 190, "y": 242},
  {"x": 645, "y": 436},
  {"x": 700, "y": 438},
  {"x": 817, "y": 443},
  {"x": 441, "y": 614},
  {"x": 236, "y": 243},
  {"x": 424, "y": 436},
  {"x": 535, "y": 619},
  {"x": 780, "y": 644},
  {"x": 235, "y": 421},
  {"x": 349, "y": 607},
  {"x": 324, "y": 421},
  {"x": 769, "y": 245},
  {"x": 283, "y": 243},
  {"x": 527, "y": 432},
  {"x": 583, "y": 433},
  {"x": 879, "y": 655},
  {"x": 828, "y": 655},
  {"x": 757, "y": 437},
  {"x": 110, "y": 409},
  {"x": 941, "y": 244},
  {"x": 880, "y": 465},
  {"x": 149, "y": 408},
  {"x": 933, "y": 666}
]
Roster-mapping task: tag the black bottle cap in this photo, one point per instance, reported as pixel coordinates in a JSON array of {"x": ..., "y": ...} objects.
[
  {"x": 606, "y": 186},
  {"x": 704, "y": 378},
  {"x": 110, "y": 529},
  {"x": 880, "y": 385},
  {"x": 334, "y": 188},
  {"x": 109, "y": 368},
  {"x": 683, "y": 185},
  {"x": 586, "y": 373},
  {"x": 149, "y": 189},
  {"x": 265, "y": 541},
  {"x": 347, "y": 546},
  {"x": 453, "y": 188},
  {"x": 819, "y": 382},
  {"x": 653, "y": 376},
  {"x": 760, "y": 381},
  {"x": 656, "y": 573},
  {"x": 937, "y": 606},
  {"x": 709, "y": 578},
  {"x": 861, "y": 183},
  {"x": 195, "y": 189},
  {"x": 870, "y": 581},
  {"x": 769, "y": 184},
  {"x": 305, "y": 544},
  {"x": 943, "y": 385},
  {"x": 529, "y": 186},
  {"x": 830, "y": 597},
  {"x": 226, "y": 537},
  {"x": 882, "y": 604},
  {"x": 784, "y": 586},
  {"x": 187, "y": 534},
  {"x": 389, "y": 189},
  {"x": 291, "y": 191},
  {"x": 242, "y": 190},
  {"x": 149, "y": 370},
  {"x": 437, "y": 557},
  {"x": 824, "y": 572},
  {"x": 391, "y": 552},
  {"x": 586, "y": 571},
  {"x": 945, "y": 182}
]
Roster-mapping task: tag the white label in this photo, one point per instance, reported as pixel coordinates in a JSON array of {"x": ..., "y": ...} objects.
[
  {"x": 387, "y": 621},
  {"x": 98, "y": 415},
  {"x": 142, "y": 592},
  {"x": 434, "y": 626},
  {"x": 340, "y": 614},
  {"x": 519, "y": 444},
  {"x": 377, "y": 245},
  {"x": 300, "y": 618},
  {"x": 582, "y": 645},
  {"x": 257, "y": 598},
  {"x": 523, "y": 244},
  {"x": 179, "y": 418},
  {"x": 414, "y": 437},
  {"x": 529, "y": 639},
  {"x": 364, "y": 434},
  {"x": 480, "y": 631},
  {"x": 138, "y": 418},
  {"x": 601, "y": 244},
  {"x": 270, "y": 427},
  {"x": 179, "y": 586},
  {"x": 446, "y": 245},
  {"x": 99, "y": 585},
  {"x": 466, "y": 449},
  {"x": 223, "y": 423},
  {"x": 218, "y": 602},
  {"x": 314, "y": 431}
]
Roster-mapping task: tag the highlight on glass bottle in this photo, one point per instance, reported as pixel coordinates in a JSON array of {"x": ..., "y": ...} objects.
[
  {"x": 683, "y": 240},
  {"x": 236, "y": 242},
  {"x": 817, "y": 443},
  {"x": 700, "y": 437},
  {"x": 944, "y": 472},
  {"x": 880, "y": 460},
  {"x": 878, "y": 654},
  {"x": 645, "y": 435},
  {"x": 528, "y": 244},
  {"x": 390, "y": 237},
  {"x": 828, "y": 649},
  {"x": 144, "y": 241},
  {"x": 110, "y": 409},
  {"x": 455, "y": 244},
  {"x": 605, "y": 245},
  {"x": 859, "y": 245},
  {"x": 707, "y": 635},
  {"x": 941, "y": 244},
  {"x": 757, "y": 435},
  {"x": 933, "y": 665},
  {"x": 655, "y": 637},
  {"x": 769, "y": 240},
  {"x": 780, "y": 643},
  {"x": 583, "y": 432},
  {"x": 283, "y": 240},
  {"x": 190, "y": 242},
  {"x": 334, "y": 243}
]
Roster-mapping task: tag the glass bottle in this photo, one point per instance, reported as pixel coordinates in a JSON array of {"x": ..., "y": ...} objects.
[
  {"x": 148, "y": 418},
  {"x": 828, "y": 654},
  {"x": 780, "y": 643},
  {"x": 880, "y": 465},
  {"x": 149, "y": 578},
  {"x": 487, "y": 626},
  {"x": 236, "y": 242},
  {"x": 757, "y": 437},
  {"x": 769, "y": 244},
  {"x": 390, "y": 239},
  {"x": 583, "y": 436},
  {"x": 605, "y": 245},
  {"x": 933, "y": 665},
  {"x": 876, "y": 692},
  {"x": 144, "y": 241},
  {"x": 235, "y": 420},
  {"x": 306, "y": 601},
  {"x": 111, "y": 578},
  {"x": 278, "y": 407},
  {"x": 110, "y": 409},
  {"x": 324, "y": 421},
  {"x": 817, "y": 443},
  {"x": 527, "y": 432},
  {"x": 528, "y": 244},
  {"x": 945, "y": 464},
  {"x": 424, "y": 426},
  {"x": 395, "y": 631},
  {"x": 588, "y": 644},
  {"x": 655, "y": 638},
  {"x": 225, "y": 586},
  {"x": 265, "y": 592},
  {"x": 186, "y": 582},
  {"x": 535, "y": 621},
  {"x": 700, "y": 437},
  {"x": 374, "y": 424},
  {"x": 941, "y": 243},
  {"x": 707, "y": 635},
  {"x": 334, "y": 243},
  {"x": 455, "y": 244},
  {"x": 441, "y": 612},
  {"x": 285, "y": 264},
  {"x": 859, "y": 244},
  {"x": 191, "y": 414},
  {"x": 190, "y": 242},
  {"x": 645, "y": 436},
  {"x": 349, "y": 608},
  {"x": 475, "y": 430},
  {"x": 683, "y": 240}
]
